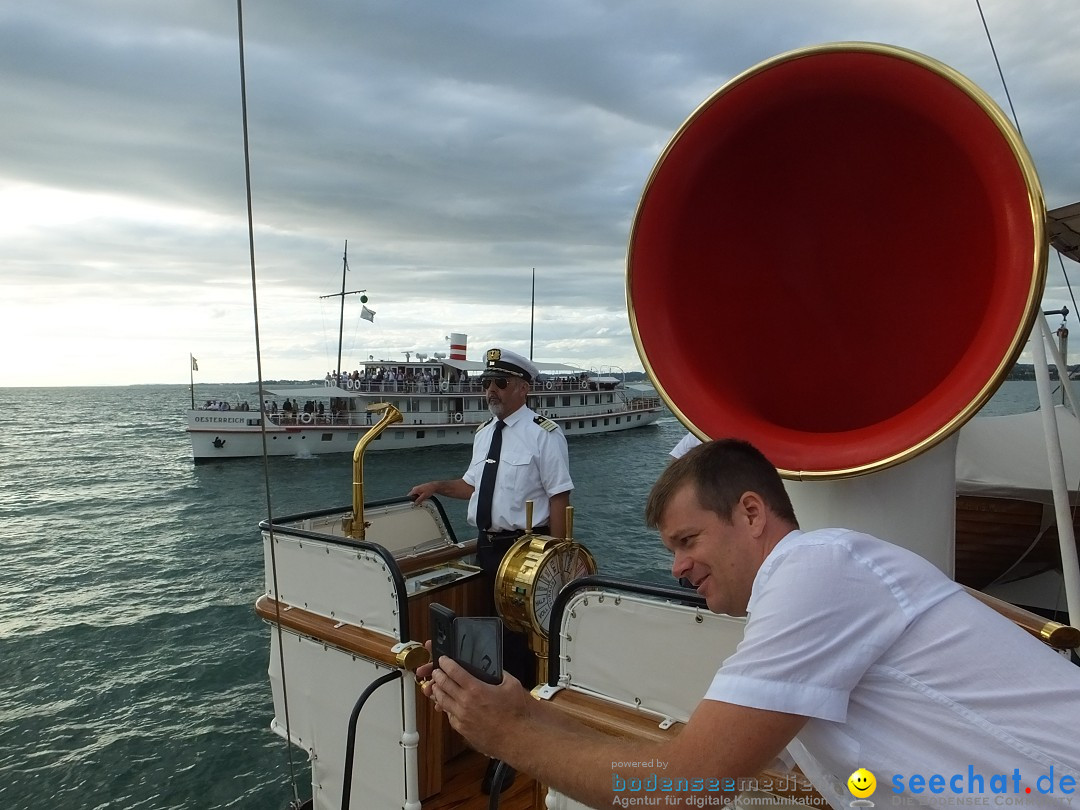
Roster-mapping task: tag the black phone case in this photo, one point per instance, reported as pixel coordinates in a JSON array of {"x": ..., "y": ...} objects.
[{"x": 475, "y": 642}]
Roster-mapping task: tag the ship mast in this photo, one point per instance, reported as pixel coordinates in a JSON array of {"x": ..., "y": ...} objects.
[
  {"x": 341, "y": 320},
  {"x": 343, "y": 293}
]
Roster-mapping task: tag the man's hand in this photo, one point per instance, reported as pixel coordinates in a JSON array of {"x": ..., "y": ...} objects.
[
  {"x": 481, "y": 712},
  {"x": 421, "y": 492},
  {"x": 455, "y": 488}
]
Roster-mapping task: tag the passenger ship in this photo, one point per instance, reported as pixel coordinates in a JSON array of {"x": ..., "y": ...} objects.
[{"x": 440, "y": 400}]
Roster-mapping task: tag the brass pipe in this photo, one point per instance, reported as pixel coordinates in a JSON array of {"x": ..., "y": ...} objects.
[
  {"x": 356, "y": 527},
  {"x": 569, "y": 523}
]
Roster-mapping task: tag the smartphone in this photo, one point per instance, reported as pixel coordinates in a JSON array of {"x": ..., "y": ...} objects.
[{"x": 475, "y": 642}]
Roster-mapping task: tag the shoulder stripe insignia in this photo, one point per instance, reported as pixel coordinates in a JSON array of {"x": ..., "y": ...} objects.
[{"x": 545, "y": 423}]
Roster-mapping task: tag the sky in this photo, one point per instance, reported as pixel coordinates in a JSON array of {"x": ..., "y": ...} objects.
[{"x": 456, "y": 147}]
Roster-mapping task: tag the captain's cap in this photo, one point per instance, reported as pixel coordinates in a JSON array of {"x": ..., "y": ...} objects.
[{"x": 503, "y": 361}]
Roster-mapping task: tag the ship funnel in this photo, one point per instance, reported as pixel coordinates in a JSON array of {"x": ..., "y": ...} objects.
[{"x": 458, "y": 342}]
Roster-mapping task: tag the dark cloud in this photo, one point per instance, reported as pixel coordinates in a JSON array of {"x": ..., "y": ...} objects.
[{"x": 455, "y": 146}]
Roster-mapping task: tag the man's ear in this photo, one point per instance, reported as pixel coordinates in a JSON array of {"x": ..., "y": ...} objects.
[{"x": 752, "y": 508}]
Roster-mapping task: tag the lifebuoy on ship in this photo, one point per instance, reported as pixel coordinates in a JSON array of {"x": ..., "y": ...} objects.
[
  {"x": 549, "y": 385},
  {"x": 444, "y": 386},
  {"x": 457, "y": 416},
  {"x": 584, "y": 385},
  {"x": 305, "y": 418}
]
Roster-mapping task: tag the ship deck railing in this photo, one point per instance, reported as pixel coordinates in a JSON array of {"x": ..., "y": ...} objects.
[
  {"x": 470, "y": 386},
  {"x": 360, "y": 419}
]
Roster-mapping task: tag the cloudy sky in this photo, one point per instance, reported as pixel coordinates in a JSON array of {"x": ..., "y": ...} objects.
[{"x": 455, "y": 145}]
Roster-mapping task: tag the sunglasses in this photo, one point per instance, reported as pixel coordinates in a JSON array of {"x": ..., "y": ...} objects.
[{"x": 499, "y": 381}]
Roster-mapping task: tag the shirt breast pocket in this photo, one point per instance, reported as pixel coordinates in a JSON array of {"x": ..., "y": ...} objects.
[{"x": 515, "y": 473}]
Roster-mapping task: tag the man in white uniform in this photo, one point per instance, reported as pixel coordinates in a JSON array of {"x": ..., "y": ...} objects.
[
  {"x": 685, "y": 445},
  {"x": 518, "y": 456},
  {"x": 856, "y": 654}
]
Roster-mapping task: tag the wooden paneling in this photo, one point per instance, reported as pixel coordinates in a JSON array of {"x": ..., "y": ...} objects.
[{"x": 992, "y": 534}]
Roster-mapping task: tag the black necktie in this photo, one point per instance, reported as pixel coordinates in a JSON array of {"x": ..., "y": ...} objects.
[{"x": 487, "y": 480}]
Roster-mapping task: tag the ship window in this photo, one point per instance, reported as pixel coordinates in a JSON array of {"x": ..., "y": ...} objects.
[
  {"x": 594, "y": 423},
  {"x": 419, "y": 434},
  {"x": 328, "y": 437},
  {"x": 353, "y": 437},
  {"x": 581, "y": 423},
  {"x": 399, "y": 434},
  {"x": 618, "y": 420},
  {"x": 607, "y": 421},
  {"x": 566, "y": 402}
]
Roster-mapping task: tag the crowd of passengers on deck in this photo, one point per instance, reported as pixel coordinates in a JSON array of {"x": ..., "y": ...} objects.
[
  {"x": 428, "y": 381},
  {"x": 391, "y": 379},
  {"x": 222, "y": 405}
]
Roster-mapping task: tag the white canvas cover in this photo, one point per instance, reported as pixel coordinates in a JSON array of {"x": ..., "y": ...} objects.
[{"x": 1005, "y": 456}]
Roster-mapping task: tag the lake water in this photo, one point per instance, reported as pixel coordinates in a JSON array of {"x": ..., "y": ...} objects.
[{"x": 133, "y": 665}]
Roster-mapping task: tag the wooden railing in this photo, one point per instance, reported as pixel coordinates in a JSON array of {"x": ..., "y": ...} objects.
[{"x": 626, "y": 723}]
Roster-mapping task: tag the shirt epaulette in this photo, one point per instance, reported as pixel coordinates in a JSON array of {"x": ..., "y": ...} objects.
[
  {"x": 545, "y": 423},
  {"x": 483, "y": 425}
]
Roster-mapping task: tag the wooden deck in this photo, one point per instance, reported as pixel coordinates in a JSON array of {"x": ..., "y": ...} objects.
[{"x": 461, "y": 787}]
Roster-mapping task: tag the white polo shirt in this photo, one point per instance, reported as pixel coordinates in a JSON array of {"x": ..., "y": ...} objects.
[
  {"x": 902, "y": 673},
  {"x": 534, "y": 465}
]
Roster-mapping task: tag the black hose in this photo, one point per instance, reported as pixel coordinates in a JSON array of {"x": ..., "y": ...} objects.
[
  {"x": 502, "y": 770},
  {"x": 350, "y": 745}
]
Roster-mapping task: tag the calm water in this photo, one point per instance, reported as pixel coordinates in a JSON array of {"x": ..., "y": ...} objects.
[{"x": 133, "y": 667}]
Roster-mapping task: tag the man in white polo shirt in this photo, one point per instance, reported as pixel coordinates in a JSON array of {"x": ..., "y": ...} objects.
[{"x": 856, "y": 654}]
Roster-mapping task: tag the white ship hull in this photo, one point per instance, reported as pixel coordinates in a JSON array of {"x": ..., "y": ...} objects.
[{"x": 432, "y": 419}]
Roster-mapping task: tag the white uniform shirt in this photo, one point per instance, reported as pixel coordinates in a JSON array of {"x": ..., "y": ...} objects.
[
  {"x": 685, "y": 445},
  {"x": 533, "y": 465},
  {"x": 901, "y": 673}
]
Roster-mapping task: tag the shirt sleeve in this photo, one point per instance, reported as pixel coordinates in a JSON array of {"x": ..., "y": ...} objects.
[
  {"x": 554, "y": 462},
  {"x": 479, "y": 453},
  {"x": 818, "y": 619}
]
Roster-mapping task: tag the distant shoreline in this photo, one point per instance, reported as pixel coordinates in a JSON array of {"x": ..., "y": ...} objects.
[{"x": 1026, "y": 371}]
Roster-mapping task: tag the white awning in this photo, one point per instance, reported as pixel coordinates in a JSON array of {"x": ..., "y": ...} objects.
[
  {"x": 557, "y": 368},
  {"x": 1064, "y": 227},
  {"x": 464, "y": 365},
  {"x": 1005, "y": 456},
  {"x": 311, "y": 392}
]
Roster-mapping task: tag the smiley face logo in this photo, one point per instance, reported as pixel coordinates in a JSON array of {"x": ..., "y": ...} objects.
[{"x": 862, "y": 783}]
